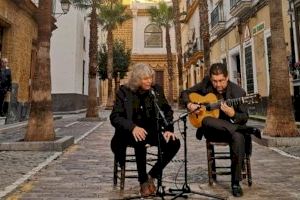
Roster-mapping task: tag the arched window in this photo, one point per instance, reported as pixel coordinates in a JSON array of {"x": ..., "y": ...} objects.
[{"x": 153, "y": 36}]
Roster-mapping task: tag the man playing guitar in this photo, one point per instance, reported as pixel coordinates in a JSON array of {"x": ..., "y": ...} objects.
[{"x": 229, "y": 125}]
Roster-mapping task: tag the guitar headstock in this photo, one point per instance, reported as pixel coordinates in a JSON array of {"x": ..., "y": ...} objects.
[{"x": 252, "y": 98}]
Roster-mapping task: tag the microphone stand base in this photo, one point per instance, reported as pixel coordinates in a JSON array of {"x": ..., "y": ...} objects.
[
  {"x": 161, "y": 192},
  {"x": 187, "y": 190}
]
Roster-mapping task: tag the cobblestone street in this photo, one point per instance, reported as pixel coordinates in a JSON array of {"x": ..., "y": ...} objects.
[{"x": 85, "y": 170}]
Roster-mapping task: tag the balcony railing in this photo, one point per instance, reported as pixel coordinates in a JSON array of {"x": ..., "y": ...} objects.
[{"x": 239, "y": 7}]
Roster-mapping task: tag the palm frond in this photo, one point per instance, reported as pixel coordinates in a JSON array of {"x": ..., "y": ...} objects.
[
  {"x": 111, "y": 15},
  {"x": 162, "y": 14}
]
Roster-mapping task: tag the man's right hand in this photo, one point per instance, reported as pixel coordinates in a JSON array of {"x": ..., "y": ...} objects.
[
  {"x": 191, "y": 107},
  {"x": 139, "y": 133}
]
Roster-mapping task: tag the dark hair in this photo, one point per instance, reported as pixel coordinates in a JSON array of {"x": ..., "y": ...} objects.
[{"x": 218, "y": 68}]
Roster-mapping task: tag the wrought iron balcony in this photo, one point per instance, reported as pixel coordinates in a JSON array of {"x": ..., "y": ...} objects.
[
  {"x": 239, "y": 7},
  {"x": 217, "y": 21}
]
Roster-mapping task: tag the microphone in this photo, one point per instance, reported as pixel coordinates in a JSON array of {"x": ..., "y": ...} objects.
[{"x": 152, "y": 92}]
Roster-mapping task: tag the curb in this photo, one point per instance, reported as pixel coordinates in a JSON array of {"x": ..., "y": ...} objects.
[
  {"x": 20, "y": 124},
  {"x": 263, "y": 119}
]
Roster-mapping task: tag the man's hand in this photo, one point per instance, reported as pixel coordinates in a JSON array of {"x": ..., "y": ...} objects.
[
  {"x": 139, "y": 133},
  {"x": 228, "y": 110},
  {"x": 169, "y": 135},
  {"x": 191, "y": 107}
]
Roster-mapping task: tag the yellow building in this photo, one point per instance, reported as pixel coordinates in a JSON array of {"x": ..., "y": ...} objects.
[
  {"x": 147, "y": 44},
  {"x": 240, "y": 37},
  {"x": 18, "y": 35}
]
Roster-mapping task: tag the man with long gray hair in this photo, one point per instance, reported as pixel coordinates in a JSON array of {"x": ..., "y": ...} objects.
[{"x": 133, "y": 117}]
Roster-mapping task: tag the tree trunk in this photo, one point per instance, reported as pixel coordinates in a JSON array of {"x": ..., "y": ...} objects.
[
  {"x": 280, "y": 118},
  {"x": 92, "y": 106},
  {"x": 204, "y": 33},
  {"x": 40, "y": 123},
  {"x": 177, "y": 25},
  {"x": 110, "y": 40},
  {"x": 170, "y": 65}
]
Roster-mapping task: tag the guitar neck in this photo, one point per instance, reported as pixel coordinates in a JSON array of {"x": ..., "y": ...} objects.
[{"x": 229, "y": 102}]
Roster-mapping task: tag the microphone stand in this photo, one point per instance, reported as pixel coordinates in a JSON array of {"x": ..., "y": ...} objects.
[
  {"x": 160, "y": 116},
  {"x": 186, "y": 188}
]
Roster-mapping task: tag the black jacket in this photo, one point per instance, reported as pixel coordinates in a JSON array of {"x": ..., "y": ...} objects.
[
  {"x": 121, "y": 117},
  {"x": 5, "y": 80},
  {"x": 232, "y": 91}
]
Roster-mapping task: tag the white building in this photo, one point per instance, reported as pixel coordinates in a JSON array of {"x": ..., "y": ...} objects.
[{"x": 69, "y": 60}]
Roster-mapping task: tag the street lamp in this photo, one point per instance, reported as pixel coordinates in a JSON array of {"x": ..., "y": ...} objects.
[{"x": 65, "y": 7}]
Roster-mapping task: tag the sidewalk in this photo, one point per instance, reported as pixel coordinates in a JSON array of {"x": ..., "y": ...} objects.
[{"x": 84, "y": 171}]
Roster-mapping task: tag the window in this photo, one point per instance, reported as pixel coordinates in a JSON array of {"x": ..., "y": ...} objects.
[
  {"x": 84, "y": 41},
  {"x": 249, "y": 70},
  {"x": 153, "y": 36},
  {"x": 159, "y": 78},
  {"x": 269, "y": 51},
  {"x": 217, "y": 15}
]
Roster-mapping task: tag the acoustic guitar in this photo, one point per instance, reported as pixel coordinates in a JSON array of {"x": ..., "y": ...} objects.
[{"x": 210, "y": 105}]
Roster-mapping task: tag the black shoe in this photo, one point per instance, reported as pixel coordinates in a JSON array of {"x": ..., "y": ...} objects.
[
  {"x": 249, "y": 130},
  {"x": 256, "y": 132},
  {"x": 237, "y": 190}
]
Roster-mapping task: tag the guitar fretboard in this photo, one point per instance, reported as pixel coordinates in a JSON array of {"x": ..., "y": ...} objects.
[{"x": 229, "y": 102}]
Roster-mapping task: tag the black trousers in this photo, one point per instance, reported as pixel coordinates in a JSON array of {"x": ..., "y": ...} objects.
[
  {"x": 168, "y": 151},
  {"x": 219, "y": 130}
]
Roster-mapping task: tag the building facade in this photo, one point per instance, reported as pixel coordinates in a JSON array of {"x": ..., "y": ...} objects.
[
  {"x": 192, "y": 43},
  {"x": 240, "y": 37},
  {"x": 18, "y": 40}
]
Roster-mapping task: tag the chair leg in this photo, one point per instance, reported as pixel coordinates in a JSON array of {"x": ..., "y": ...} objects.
[
  {"x": 209, "y": 162},
  {"x": 248, "y": 168},
  {"x": 244, "y": 170},
  {"x": 115, "y": 172},
  {"x": 122, "y": 179},
  {"x": 213, "y": 163}
]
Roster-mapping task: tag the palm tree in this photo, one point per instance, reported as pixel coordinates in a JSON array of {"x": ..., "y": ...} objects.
[
  {"x": 162, "y": 16},
  {"x": 40, "y": 123},
  {"x": 204, "y": 32},
  {"x": 176, "y": 16},
  {"x": 280, "y": 118},
  {"x": 92, "y": 5},
  {"x": 112, "y": 13}
]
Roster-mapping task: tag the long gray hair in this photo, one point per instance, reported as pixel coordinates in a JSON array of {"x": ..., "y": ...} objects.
[{"x": 139, "y": 71}]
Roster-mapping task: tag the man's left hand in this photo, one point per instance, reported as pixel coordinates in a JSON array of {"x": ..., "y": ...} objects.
[{"x": 228, "y": 110}]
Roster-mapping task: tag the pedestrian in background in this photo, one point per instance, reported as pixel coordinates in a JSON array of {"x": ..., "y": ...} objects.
[
  {"x": 5, "y": 86},
  {"x": 133, "y": 117}
]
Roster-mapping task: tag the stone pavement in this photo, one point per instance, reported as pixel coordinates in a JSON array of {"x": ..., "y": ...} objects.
[{"x": 85, "y": 170}]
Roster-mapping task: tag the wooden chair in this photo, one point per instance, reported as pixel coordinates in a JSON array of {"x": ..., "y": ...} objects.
[
  {"x": 128, "y": 168},
  {"x": 214, "y": 153}
]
